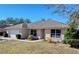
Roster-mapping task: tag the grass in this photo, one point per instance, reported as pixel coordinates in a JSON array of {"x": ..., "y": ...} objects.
[{"x": 18, "y": 47}]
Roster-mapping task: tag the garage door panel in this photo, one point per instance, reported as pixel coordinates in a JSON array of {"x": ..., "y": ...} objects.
[{"x": 12, "y": 35}]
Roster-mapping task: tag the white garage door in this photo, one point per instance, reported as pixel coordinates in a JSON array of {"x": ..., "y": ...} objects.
[{"x": 12, "y": 35}]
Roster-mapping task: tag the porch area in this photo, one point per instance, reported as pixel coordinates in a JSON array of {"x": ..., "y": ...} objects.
[{"x": 55, "y": 34}]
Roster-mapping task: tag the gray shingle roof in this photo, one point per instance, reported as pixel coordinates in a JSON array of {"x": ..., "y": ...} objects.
[
  {"x": 39, "y": 25},
  {"x": 18, "y": 26},
  {"x": 46, "y": 24},
  {"x": 4, "y": 25}
]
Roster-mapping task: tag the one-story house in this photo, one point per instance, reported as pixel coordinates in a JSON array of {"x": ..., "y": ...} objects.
[
  {"x": 2, "y": 28},
  {"x": 41, "y": 29}
]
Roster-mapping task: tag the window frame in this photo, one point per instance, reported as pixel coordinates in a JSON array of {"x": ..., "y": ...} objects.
[
  {"x": 33, "y": 32},
  {"x": 56, "y": 35}
]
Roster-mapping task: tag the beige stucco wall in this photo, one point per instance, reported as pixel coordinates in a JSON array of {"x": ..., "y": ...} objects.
[
  {"x": 62, "y": 34},
  {"x": 24, "y": 33},
  {"x": 39, "y": 33},
  {"x": 47, "y": 33},
  {"x": 12, "y": 33}
]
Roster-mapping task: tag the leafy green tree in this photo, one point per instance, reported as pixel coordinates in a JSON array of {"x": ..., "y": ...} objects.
[
  {"x": 10, "y": 20},
  {"x": 71, "y": 32},
  {"x": 42, "y": 19},
  {"x": 21, "y": 20},
  {"x": 2, "y": 22},
  {"x": 28, "y": 21}
]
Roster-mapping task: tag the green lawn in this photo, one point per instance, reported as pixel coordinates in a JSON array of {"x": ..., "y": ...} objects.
[{"x": 15, "y": 46}]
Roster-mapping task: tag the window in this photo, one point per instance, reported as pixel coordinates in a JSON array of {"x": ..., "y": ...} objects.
[
  {"x": 34, "y": 32},
  {"x": 52, "y": 33},
  {"x": 56, "y": 33}
]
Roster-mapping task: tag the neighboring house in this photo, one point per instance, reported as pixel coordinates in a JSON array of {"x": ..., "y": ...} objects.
[
  {"x": 41, "y": 29},
  {"x": 2, "y": 26}
]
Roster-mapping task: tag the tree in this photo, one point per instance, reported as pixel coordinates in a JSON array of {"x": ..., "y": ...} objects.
[
  {"x": 10, "y": 20},
  {"x": 74, "y": 17},
  {"x": 17, "y": 22},
  {"x": 2, "y": 22},
  {"x": 42, "y": 19},
  {"x": 65, "y": 9},
  {"x": 71, "y": 32},
  {"x": 21, "y": 20},
  {"x": 28, "y": 21}
]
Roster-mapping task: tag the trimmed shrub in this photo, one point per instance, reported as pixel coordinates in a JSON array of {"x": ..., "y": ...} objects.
[
  {"x": 5, "y": 35},
  {"x": 67, "y": 41},
  {"x": 1, "y": 33},
  {"x": 49, "y": 40},
  {"x": 75, "y": 43},
  {"x": 18, "y": 36},
  {"x": 69, "y": 35},
  {"x": 29, "y": 37}
]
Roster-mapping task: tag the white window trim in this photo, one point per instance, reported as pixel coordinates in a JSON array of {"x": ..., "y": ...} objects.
[{"x": 57, "y": 33}]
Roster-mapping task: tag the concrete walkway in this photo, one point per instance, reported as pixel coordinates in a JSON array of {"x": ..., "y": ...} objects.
[{"x": 26, "y": 40}]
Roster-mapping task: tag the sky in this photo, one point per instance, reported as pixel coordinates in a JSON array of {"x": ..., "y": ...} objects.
[{"x": 34, "y": 12}]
